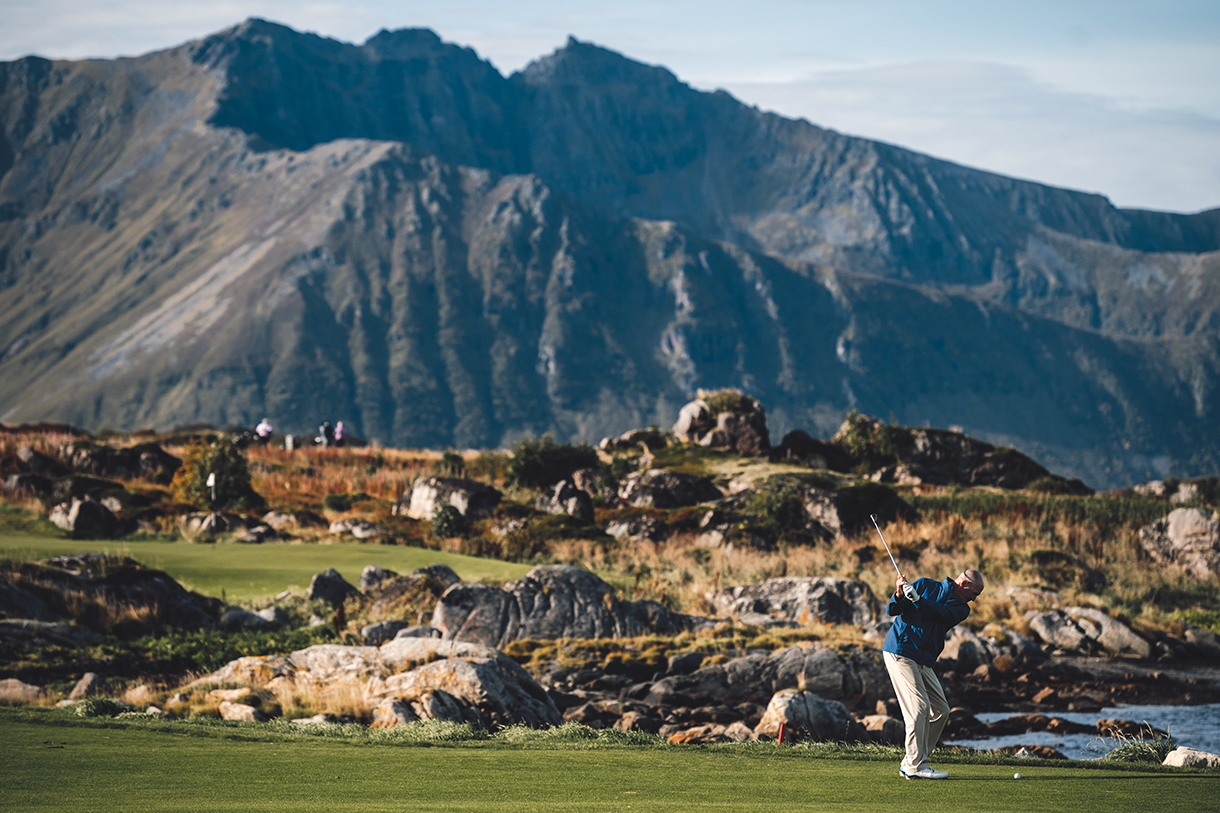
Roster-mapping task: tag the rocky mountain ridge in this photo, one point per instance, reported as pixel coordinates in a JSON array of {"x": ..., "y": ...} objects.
[{"x": 265, "y": 222}]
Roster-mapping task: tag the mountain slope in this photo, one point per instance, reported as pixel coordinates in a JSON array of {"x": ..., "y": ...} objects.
[{"x": 269, "y": 223}]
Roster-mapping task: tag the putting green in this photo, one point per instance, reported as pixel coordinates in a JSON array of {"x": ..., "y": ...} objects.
[
  {"x": 53, "y": 768},
  {"x": 242, "y": 572}
]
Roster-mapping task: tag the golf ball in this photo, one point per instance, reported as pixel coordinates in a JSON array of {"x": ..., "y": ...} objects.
[{"x": 1016, "y": 776}]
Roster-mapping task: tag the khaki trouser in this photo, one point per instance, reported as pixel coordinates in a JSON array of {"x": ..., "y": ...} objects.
[{"x": 924, "y": 707}]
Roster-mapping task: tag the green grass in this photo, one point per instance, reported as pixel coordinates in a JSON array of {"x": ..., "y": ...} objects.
[
  {"x": 245, "y": 572},
  {"x": 90, "y": 766}
]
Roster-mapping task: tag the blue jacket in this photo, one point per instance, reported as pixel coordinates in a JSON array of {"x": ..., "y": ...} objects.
[{"x": 919, "y": 629}]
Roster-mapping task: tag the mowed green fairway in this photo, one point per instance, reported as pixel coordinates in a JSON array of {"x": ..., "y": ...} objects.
[
  {"x": 55, "y": 768},
  {"x": 256, "y": 571}
]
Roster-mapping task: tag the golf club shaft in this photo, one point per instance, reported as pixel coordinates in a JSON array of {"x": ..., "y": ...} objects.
[{"x": 873, "y": 517}]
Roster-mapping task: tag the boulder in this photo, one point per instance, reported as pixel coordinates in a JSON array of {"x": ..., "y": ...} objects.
[
  {"x": 406, "y": 593},
  {"x": 480, "y": 679},
  {"x": 808, "y": 716},
  {"x": 238, "y": 618},
  {"x": 837, "y": 514},
  {"x": 565, "y": 498},
  {"x": 418, "y": 631},
  {"x": 743, "y": 430},
  {"x": 331, "y": 663},
  {"x": 551, "y": 601},
  {"x": 1182, "y": 757},
  {"x": 241, "y": 712},
  {"x": 147, "y": 461},
  {"x": 639, "y": 529},
  {"x": 85, "y": 518},
  {"x": 377, "y": 634},
  {"x": 330, "y": 587},
  {"x": 252, "y": 670},
  {"x": 89, "y": 685},
  {"x": 13, "y": 690},
  {"x": 113, "y": 592},
  {"x": 660, "y": 488},
  {"x": 28, "y": 485},
  {"x": 1085, "y": 630},
  {"x": 35, "y": 462},
  {"x": 470, "y": 497},
  {"x": 373, "y": 577},
  {"x": 803, "y": 600},
  {"x": 359, "y": 528},
  {"x": 800, "y": 446},
  {"x": 211, "y": 524},
  {"x": 391, "y": 713},
  {"x": 885, "y": 729},
  {"x": 1188, "y": 539},
  {"x": 16, "y": 603}
]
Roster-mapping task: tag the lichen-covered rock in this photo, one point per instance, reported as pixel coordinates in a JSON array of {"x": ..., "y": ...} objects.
[
  {"x": 252, "y": 670},
  {"x": 1188, "y": 539},
  {"x": 373, "y": 577},
  {"x": 661, "y": 488},
  {"x": 147, "y": 460},
  {"x": 90, "y": 684},
  {"x": 836, "y": 514},
  {"x": 28, "y": 629},
  {"x": 359, "y": 528},
  {"x": 241, "y": 712},
  {"x": 551, "y": 601},
  {"x": 803, "y": 600},
  {"x": 13, "y": 690},
  {"x": 638, "y": 529},
  {"x": 470, "y": 497}
]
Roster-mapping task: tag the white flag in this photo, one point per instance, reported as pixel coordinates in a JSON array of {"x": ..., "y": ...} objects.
[{"x": 211, "y": 479}]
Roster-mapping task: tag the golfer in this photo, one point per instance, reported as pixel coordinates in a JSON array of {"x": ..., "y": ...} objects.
[{"x": 925, "y": 611}]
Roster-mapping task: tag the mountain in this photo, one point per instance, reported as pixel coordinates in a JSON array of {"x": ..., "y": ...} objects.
[{"x": 263, "y": 222}]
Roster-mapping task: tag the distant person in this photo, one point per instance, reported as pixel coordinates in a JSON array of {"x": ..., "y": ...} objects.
[
  {"x": 326, "y": 435},
  {"x": 924, "y": 611},
  {"x": 263, "y": 430},
  {"x": 339, "y": 433}
]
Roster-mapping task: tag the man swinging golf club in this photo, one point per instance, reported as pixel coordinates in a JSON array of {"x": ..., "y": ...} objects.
[{"x": 923, "y": 612}]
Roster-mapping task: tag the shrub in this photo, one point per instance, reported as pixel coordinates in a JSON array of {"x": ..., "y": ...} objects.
[
  {"x": 451, "y": 464},
  {"x": 488, "y": 466},
  {"x": 343, "y": 502},
  {"x": 100, "y": 707},
  {"x": 869, "y": 443},
  {"x": 447, "y": 522},
  {"x": 540, "y": 463},
  {"x": 224, "y": 459},
  {"x": 728, "y": 400},
  {"x": 1135, "y": 749},
  {"x": 1053, "y": 484}
]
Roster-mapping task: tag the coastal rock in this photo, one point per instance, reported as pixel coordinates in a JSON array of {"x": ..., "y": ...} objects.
[
  {"x": 470, "y": 497},
  {"x": 1182, "y": 757},
  {"x": 803, "y": 600},
  {"x": 1188, "y": 539},
  {"x": 661, "y": 488},
  {"x": 372, "y": 577},
  {"x": 1086, "y": 630}
]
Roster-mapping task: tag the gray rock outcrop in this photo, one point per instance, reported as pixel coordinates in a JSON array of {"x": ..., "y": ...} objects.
[
  {"x": 90, "y": 684},
  {"x": 147, "y": 460},
  {"x": 373, "y": 577},
  {"x": 565, "y": 498},
  {"x": 551, "y": 601},
  {"x": 359, "y": 528},
  {"x": 1188, "y": 539},
  {"x": 27, "y": 629},
  {"x": 86, "y": 518},
  {"x": 1085, "y": 630},
  {"x": 803, "y": 600},
  {"x": 835, "y": 514},
  {"x": 743, "y": 431},
  {"x": 470, "y": 497},
  {"x": 660, "y": 488},
  {"x": 1183, "y": 757},
  {"x": 330, "y": 587},
  {"x": 638, "y": 529}
]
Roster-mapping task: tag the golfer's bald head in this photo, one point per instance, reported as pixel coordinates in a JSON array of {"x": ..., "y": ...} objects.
[{"x": 969, "y": 584}]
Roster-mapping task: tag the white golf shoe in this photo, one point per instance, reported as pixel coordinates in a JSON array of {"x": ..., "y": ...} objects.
[{"x": 926, "y": 773}]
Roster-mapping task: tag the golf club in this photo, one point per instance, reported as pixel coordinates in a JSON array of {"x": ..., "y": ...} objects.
[{"x": 909, "y": 591}]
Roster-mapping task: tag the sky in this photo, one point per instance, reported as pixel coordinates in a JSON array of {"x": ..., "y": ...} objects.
[{"x": 1119, "y": 97}]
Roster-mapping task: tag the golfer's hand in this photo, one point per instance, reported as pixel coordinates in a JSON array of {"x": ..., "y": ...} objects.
[{"x": 907, "y": 590}]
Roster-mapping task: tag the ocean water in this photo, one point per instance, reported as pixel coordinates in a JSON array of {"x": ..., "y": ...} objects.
[{"x": 1195, "y": 727}]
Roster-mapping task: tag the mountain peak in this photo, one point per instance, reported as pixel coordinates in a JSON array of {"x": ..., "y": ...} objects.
[{"x": 586, "y": 63}]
